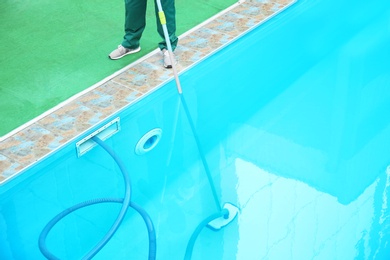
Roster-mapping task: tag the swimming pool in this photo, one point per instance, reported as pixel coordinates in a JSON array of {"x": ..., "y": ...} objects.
[{"x": 292, "y": 121}]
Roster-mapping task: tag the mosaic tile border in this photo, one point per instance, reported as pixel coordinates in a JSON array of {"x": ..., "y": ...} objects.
[{"x": 43, "y": 137}]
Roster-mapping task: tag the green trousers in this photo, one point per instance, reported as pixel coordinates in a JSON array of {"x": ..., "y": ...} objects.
[{"x": 135, "y": 22}]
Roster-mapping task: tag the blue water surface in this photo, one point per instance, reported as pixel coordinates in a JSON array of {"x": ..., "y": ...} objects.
[{"x": 293, "y": 119}]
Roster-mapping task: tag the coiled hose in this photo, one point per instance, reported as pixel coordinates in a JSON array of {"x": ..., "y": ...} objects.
[{"x": 126, "y": 203}]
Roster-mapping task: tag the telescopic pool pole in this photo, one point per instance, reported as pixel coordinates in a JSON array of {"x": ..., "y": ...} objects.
[
  {"x": 228, "y": 212},
  {"x": 163, "y": 22}
]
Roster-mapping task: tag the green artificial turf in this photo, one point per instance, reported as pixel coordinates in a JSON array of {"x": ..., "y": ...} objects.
[{"x": 52, "y": 49}]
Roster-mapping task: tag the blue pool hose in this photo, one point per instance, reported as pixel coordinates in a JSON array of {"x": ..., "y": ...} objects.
[
  {"x": 223, "y": 213},
  {"x": 126, "y": 203}
]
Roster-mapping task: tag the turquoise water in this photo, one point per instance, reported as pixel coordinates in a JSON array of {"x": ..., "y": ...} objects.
[{"x": 293, "y": 119}]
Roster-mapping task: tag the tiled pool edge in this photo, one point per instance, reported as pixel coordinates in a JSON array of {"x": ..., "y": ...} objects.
[{"x": 48, "y": 134}]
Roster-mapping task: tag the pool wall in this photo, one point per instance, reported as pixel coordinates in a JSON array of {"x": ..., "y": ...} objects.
[
  {"x": 68, "y": 180},
  {"x": 293, "y": 148}
]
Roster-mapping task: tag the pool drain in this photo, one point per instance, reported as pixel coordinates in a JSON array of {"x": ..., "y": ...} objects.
[{"x": 148, "y": 141}]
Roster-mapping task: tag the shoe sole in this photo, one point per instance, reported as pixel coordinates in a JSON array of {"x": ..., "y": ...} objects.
[
  {"x": 127, "y": 53},
  {"x": 170, "y": 66}
]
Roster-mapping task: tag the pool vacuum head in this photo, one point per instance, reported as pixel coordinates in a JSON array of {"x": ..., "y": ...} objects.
[{"x": 220, "y": 222}]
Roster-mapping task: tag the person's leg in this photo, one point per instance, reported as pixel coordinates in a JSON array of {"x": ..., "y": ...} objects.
[
  {"x": 135, "y": 12},
  {"x": 168, "y": 7},
  {"x": 134, "y": 22}
]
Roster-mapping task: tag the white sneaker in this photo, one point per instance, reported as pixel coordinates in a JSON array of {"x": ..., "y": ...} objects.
[
  {"x": 167, "y": 59},
  {"x": 122, "y": 51}
]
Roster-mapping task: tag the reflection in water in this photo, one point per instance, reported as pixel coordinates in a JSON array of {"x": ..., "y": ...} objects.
[{"x": 284, "y": 218}]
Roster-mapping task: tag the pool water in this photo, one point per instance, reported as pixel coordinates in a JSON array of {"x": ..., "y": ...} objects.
[{"x": 293, "y": 121}]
